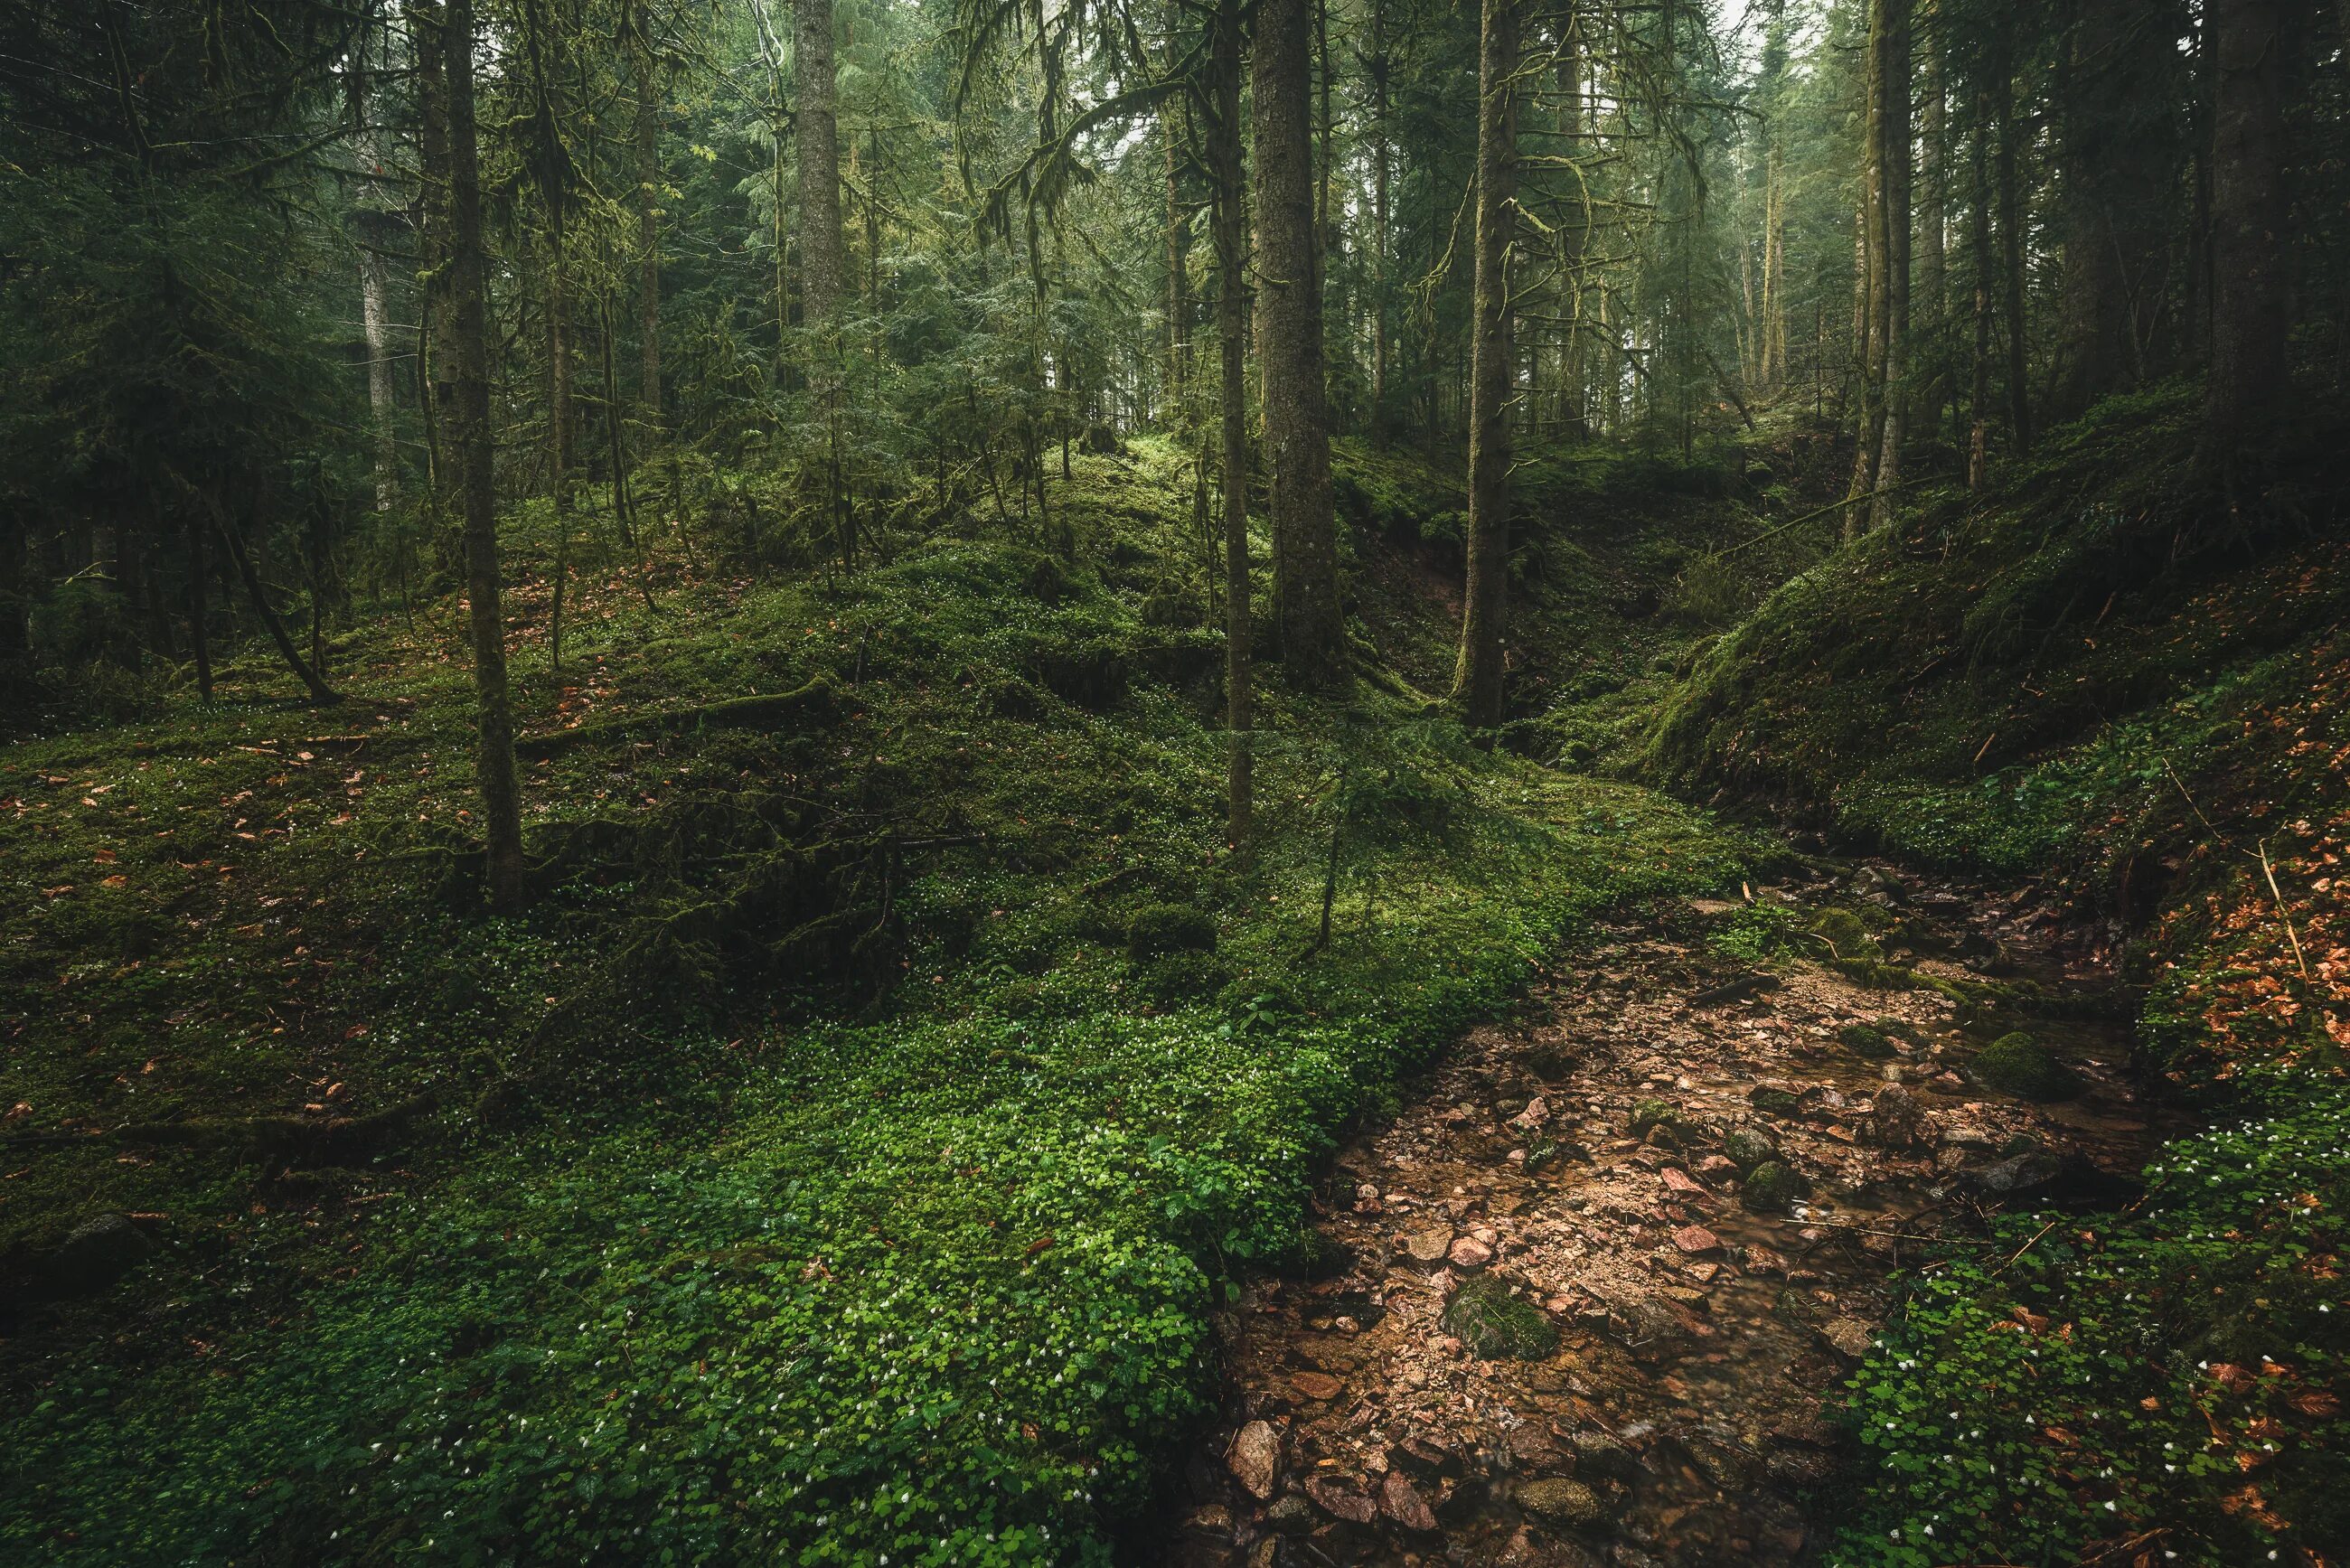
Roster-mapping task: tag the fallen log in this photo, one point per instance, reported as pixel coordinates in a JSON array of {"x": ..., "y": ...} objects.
[{"x": 771, "y": 711}]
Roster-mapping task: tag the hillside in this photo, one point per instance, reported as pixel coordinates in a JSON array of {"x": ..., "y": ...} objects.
[
  {"x": 2113, "y": 680},
  {"x": 846, "y": 1149}
]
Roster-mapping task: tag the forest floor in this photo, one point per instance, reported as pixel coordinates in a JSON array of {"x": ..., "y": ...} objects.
[{"x": 1568, "y": 1313}]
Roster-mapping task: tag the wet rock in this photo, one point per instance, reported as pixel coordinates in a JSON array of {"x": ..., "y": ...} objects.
[
  {"x": 2036, "y": 1175},
  {"x": 1695, "y": 1239},
  {"x": 1255, "y": 1458},
  {"x": 1340, "y": 1500},
  {"x": 1802, "y": 1469},
  {"x": 2020, "y": 1066},
  {"x": 1850, "y": 1335},
  {"x": 1722, "y": 1463},
  {"x": 1428, "y": 1460},
  {"x": 1557, "y": 1501},
  {"x": 1429, "y": 1243},
  {"x": 1866, "y": 1043},
  {"x": 1896, "y": 1120},
  {"x": 1316, "y": 1385},
  {"x": 1212, "y": 1522},
  {"x": 1773, "y": 1099},
  {"x": 1400, "y": 1501},
  {"x": 1747, "y": 1148},
  {"x": 1469, "y": 1253},
  {"x": 1598, "y": 1453},
  {"x": 1772, "y": 1188},
  {"x": 1649, "y": 1115},
  {"x": 1290, "y": 1514},
  {"x": 1491, "y": 1322}
]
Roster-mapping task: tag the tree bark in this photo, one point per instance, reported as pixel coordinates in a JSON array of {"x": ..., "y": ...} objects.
[
  {"x": 1231, "y": 326},
  {"x": 1178, "y": 265},
  {"x": 461, "y": 388},
  {"x": 2249, "y": 322},
  {"x": 649, "y": 270},
  {"x": 1893, "y": 311},
  {"x": 1477, "y": 677},
  {"x": 822, "y": 263},
  {"x": 1379, "y": 65},
  {"x": 373, "y": 225},
  {"x": 1289, "y": 347},
  {"x": 2116, "y": 214},
  {"x": 2011, "y": 242},
  {"x": 1870, "y": 244},
  {"x": 1978, "y": 245}
]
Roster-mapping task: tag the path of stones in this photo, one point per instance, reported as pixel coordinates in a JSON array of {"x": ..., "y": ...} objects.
[{"x": 1549, "y": 1332}]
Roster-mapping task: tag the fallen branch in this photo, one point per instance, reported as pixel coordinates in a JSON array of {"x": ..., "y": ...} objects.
[{"x": 767, "y": 713}]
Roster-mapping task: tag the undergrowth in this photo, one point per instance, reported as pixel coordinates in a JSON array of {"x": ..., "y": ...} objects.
[{"x": 840, "y": 1161}]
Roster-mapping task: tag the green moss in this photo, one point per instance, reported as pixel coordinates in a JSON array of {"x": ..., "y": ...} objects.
[
  {"x": 1157, "y": 930},
  {"x": 1864, "y": 1041},
  {"x": 2017, "y": 1064},
  {"x": 1491, "y": 1322},
  {"x": 1772, "y": 1186}
]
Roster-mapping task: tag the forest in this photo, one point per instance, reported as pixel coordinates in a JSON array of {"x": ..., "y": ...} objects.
[{"x": 1207, "y": 783}]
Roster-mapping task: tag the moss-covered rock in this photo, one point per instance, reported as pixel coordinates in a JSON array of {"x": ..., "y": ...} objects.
[
  {"x": 1647, "y": 1115},
  {"x": 1493, "y": 1323},
  {"x": 1772, "y": 1186},
  {"x": 2020, "y": 1066},
  {"x": 1747, "y": 1148},
  {"x": 1863, "y": 1040}
]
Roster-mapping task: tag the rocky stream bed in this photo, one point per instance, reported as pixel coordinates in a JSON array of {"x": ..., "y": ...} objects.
[{"x": 1590, "y": 1298}]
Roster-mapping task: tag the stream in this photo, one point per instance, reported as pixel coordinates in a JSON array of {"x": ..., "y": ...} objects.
[{"x": 1543, "y": 1328}]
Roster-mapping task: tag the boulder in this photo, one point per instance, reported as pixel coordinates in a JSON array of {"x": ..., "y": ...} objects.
[
  {"x": 1255, "y": 1458},
  {"x": 1557, "y": 1501},
  {"x": 2020, "y": 1066},
  {"x": 1772, "y": 1188},
  {"x": 1747, "y": 1148},
  {"x": 1896, "y": 1120}
]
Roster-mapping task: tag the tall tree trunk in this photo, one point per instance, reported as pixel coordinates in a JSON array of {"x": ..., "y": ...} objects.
[
  {"x": 461, "y": 388},
  {"x": 1379, "y": 64},
  {"x": 1929, "y": 350},
  {"x": 559, "y": 402},
  {"x": 1179, "y": 264},
  {"x": 1477, "y": 675},
  {"x": 2011, "y": 245},
  {"x": 374, "y": 227},
  {"x": 200, "y": 642},
  {"x": 2118, "y": 76},
  {"x": 1574, "y": 233},
  {"x": 2247, "y": 215},
  {"x": 1289, "y": 346},
  {"x": 1231, "y": 326},
  {"x": 1893, "y": 318},
  {"x": 822, "y": 264},
  {"x": 1870, "y": 247},
  {"x": 649, "y": 182},
  {"x": 1979, "y": 246}
]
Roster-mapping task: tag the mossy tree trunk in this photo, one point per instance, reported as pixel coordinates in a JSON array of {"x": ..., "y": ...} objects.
[
  {"x": 1477, "y": 674},
  {"x": 2248, "y": 214},
  {"x": 1231, "y": 326},
  {"x": 462, "y": 389},
  {"x": 1289, "y": 346}
]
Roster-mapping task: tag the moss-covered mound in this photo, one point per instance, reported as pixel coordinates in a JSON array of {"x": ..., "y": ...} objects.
[
  {"x": 1490, "y": 1322},
  {"x": 2015, "y": 1064}
]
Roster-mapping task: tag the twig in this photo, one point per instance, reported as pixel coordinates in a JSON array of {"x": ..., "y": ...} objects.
[
  {"x": 2281, "y": 915},
  {"x": 2026, "y": 1247}
]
